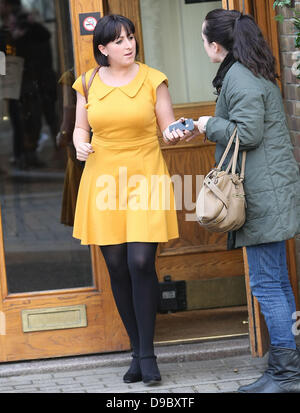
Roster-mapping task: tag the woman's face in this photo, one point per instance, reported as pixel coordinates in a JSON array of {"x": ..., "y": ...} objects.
[
  {"x": 121, "y": 51},
  {"x": 213, "y": 50}
]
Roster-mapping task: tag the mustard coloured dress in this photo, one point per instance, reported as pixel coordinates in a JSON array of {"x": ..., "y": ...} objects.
[{"x": 125, "y": 192}]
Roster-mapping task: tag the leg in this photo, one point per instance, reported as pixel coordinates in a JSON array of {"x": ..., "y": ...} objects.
[
  {"x": 285, "y": 281},
  {"x": 145, "y": 288},
  {"x": 270, "y": 284},
  {"x": 116, "y": 260},
  {"x": 272, "y": 289}
]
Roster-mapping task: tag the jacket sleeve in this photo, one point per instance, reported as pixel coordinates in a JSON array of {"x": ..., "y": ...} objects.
[{"x": 246, "y": 111}]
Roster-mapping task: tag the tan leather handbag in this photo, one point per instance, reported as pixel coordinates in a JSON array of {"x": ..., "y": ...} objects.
[{"x": 221, "y": 203}]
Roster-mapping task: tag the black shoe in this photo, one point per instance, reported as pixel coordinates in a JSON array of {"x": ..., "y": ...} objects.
[
  {"x": 284, "y": 376},
  {"x": 133, "y": 375},
  {"x": 150, "y": 371},
  {"x": 256, "y": 385}
]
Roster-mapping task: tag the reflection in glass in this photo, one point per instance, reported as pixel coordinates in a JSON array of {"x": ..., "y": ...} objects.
[
  {"x": 173, "y": 44},
  {"x": 39, "y": 175}
]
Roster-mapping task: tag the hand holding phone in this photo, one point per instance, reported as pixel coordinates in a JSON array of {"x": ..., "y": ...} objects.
[{"x": 186, "y": 124}]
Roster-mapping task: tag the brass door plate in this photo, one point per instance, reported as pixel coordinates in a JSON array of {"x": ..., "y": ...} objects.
[{"x": 55, "y": 318}]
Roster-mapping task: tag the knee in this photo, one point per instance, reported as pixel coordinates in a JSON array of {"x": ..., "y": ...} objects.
[
  {"x": 141, "y": 267},
  {"x": 259, "y": 288},
  {"x": 266, "y": 289},
  {"x": 138, "y": 265},
  {"x": 116, "y": 268}
]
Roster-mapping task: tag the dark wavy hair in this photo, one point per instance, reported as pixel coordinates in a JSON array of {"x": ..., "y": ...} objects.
[
  {"x": 240, "y": 35},
  {"x": 107, "y": 30}
]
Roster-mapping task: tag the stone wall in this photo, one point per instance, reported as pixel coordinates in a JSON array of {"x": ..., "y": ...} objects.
[{"x": 291, "y": 89}]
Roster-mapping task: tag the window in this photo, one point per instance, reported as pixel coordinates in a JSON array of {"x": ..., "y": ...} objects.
[{"x": 173, "y": 44}]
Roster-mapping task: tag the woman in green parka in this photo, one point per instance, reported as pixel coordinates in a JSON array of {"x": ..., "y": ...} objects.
[{"x": 249, "y": 98}]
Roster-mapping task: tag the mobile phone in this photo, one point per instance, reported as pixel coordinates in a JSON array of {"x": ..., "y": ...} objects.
[{"x": 187, "y": 124}]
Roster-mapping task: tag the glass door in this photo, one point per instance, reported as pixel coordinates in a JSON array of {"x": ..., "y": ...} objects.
[
  {"x": 54, "y": 299},
  {"x": 39, "y": 177}
]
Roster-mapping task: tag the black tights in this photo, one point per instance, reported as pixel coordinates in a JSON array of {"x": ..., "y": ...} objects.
[{"x": 135, "y": 288}]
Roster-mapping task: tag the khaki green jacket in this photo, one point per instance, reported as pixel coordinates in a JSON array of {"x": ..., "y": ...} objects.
[{"x": 272, "y": 181}]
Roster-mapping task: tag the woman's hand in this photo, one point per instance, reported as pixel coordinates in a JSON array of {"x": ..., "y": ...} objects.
[
  {"x": 83, "y": 150},
  {"x": 200, "y": 127},
  {"x": 171, "y": 138},
  {"x": 176, "y": 135}
]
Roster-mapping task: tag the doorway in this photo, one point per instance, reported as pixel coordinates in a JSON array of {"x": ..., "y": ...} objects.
[
  {"x": 216, "y": 299},
  {"x": 55, "y": 294}
]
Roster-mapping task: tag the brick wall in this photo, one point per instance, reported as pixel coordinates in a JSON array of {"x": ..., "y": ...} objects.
[{"x": 291, "y": 90}]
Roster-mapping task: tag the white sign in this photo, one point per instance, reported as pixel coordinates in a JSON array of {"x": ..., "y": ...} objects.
[{"x": 89, "y": 23}]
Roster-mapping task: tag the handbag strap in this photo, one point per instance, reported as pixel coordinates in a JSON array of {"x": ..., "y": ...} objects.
[
  {"x": 242, "y": 174},
  {"x": 235, "y": 154},
  {"x": 227, "y": 149},
  {"x": 233, "y": 160},
  {"x": 83, "y": 78}
]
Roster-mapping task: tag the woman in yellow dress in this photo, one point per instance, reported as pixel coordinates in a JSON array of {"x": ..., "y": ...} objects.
[{"x": 122, "y": 205}]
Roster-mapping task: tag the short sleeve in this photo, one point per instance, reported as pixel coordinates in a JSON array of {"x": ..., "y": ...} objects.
[
  {"x": 157, "y": 78},
  {"x": 77, "y": 85}
]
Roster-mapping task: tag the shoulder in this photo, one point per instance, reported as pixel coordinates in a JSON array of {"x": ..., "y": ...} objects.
[
  {"x": 240, "y": 78},
  {"x": 240, "y": 84},
  {"x": 77, "y": 85},
  {"x": 88, "y": 74},
  {"x": 155, "y": 76},
  {"x": 152, "y": 78}
]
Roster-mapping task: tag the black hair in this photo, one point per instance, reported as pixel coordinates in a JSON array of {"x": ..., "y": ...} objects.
[
  {"x": 107, "y": 30},
  {"x": 240, "y": 35}
]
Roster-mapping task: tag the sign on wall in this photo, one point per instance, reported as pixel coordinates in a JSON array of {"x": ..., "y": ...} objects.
[{"x": 88, "y": 22}]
